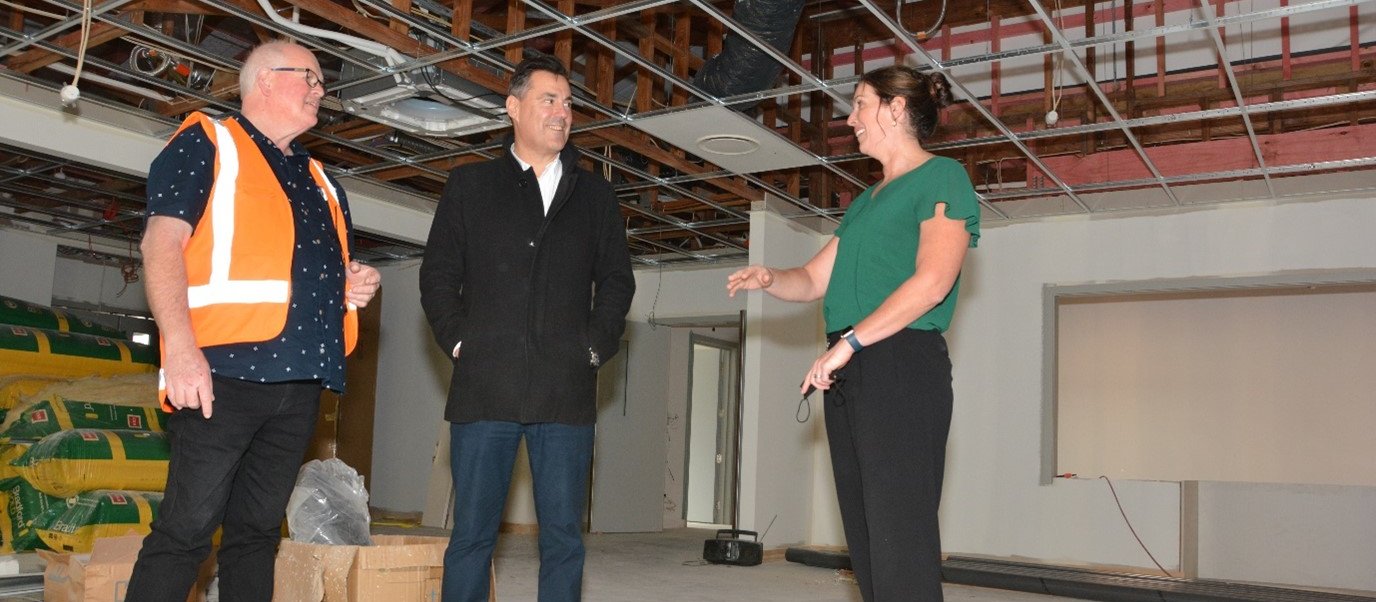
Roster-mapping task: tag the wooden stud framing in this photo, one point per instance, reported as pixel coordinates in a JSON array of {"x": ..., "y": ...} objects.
[
  {"x": 461, "y": 24},
  {"x": 515, "y": 21},
  {"x": 644, "y": 82},
  {"x": 397, "y": 24},
  {"x": 563, "y": 41}
]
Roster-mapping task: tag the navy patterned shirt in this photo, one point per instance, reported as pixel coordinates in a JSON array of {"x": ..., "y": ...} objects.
[{"x": 311, "y": 347}]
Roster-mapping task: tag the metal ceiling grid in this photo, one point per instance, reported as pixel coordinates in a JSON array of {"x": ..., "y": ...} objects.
[{"x": 695, "y": 210}]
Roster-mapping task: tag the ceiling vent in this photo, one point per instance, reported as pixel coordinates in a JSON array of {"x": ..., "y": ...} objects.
[
  {"x": 428, "y": 101},
  {"x": 726, "y": 138}
]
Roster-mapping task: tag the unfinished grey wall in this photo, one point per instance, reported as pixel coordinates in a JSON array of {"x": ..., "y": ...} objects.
[
  {"x": 99, "y": 285},
  {"x": 676, "y": 426},
  {"x": 994, "y": 503},
  {"x": 1270, "y": 532},
  {"x": 629, "y": 449},
  {"x": 412, "y": 382},
  {"x": 781, "y": 341},
  {"x": 26, "y": 272}
]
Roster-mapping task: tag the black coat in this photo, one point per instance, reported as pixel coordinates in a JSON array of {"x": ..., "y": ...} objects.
[{"x": 528, "y": 294}]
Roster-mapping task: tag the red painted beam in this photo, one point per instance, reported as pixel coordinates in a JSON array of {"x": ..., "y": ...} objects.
[
  {"x": 1023, "y": 27},
  {"x": 1216, "y": 155}
]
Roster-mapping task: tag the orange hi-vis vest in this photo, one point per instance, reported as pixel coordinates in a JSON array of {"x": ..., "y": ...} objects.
[{"x": 238, "y": 259}]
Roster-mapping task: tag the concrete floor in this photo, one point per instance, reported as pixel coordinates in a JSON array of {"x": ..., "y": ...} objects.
[{"x": 668, "y": 567}]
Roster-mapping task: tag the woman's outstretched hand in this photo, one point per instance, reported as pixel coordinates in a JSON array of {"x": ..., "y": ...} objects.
[{"x": 749, "y": 278}]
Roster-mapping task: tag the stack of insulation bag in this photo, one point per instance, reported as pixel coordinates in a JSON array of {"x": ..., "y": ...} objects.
[{"x": 83, "y": 453}]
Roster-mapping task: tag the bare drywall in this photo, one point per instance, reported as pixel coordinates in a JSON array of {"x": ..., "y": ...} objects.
[
  {"x": 781, "y": 341},
  {"x": 1171, "y": 386},
  {"x": 1308, "y": 536},
  {"x": 994, "y": 501},
  {"x": 412, "y": 383},
  {"x": 26, "y": 273},
  {"x": 629, "y": 450}
]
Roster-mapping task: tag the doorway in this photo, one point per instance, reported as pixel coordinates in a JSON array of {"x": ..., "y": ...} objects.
[{"x": 713, "y": 431}]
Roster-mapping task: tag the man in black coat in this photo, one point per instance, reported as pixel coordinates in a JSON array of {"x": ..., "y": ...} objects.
[{"x": 526, "y": 283}]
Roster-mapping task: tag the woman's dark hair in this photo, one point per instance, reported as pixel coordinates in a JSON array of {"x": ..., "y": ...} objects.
[
  {"x": 925, "y": 94},
  {"x": 520, "y": 80}
]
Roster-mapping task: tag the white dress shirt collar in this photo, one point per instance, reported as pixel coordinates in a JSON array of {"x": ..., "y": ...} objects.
[{"x": 549, "y": 181}]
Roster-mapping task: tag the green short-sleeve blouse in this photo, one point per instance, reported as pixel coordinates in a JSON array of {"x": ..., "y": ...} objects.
[{"x": 878, "y": 242}]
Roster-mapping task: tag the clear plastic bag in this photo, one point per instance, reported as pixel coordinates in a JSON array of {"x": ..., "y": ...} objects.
[{"x": 329, "y": 505}]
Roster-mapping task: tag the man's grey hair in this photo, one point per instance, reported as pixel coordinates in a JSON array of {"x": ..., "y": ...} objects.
[{"x": 265, "y": 56}]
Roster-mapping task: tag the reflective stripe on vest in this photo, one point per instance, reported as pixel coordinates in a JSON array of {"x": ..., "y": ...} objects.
[{"x": 220, "y": 289}]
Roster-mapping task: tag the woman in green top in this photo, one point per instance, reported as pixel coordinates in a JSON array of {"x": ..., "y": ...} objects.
[{"x": 890, "y": 278}]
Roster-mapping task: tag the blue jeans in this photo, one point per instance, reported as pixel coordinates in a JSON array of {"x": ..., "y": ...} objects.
[
  {"x": 236, "y": 469},
  {"x": 481, "y": 456}
]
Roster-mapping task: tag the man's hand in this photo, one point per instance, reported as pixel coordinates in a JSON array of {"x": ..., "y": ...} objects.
[
  {"x": 361, "y": 283},
  {"x": 186, "y": 377}
]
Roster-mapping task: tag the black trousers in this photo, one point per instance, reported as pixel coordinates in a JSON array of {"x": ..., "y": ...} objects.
[
  {"x": 887, "y": 421},
  {"x": 237, "y": 469}
]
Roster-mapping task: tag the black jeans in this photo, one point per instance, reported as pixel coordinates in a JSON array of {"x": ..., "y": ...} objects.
[
  {"x": 237, "y": 469},
  {"x": 887, "y": 421}
]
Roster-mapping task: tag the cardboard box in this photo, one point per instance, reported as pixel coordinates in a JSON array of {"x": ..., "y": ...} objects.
[
  {"x": 57, "y": 575},
  {"x": 103, "y": 575},
  {"x": 396, "y": 567}
]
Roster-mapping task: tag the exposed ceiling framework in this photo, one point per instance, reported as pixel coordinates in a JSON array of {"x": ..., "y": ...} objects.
[{"x": 1165, "y": 123}]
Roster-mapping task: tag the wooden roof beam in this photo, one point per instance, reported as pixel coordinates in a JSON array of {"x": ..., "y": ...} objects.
[
  {"x": 638, "y": 142},
  {"x": 379, "y": 32},
  {"x": 36, "y": 58}
]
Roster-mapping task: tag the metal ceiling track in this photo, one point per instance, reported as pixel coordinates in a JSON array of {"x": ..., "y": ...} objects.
[
  {"x": 1206, "y": 9},
  {"x": 1093, "y": 86}
]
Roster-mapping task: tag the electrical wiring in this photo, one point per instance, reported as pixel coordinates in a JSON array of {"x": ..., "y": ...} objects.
[
  {"x": 363, "y": 11},
  {"x": 429, "y": 76},
  {"x": 1057, "y": 78},
  {"x": 1129, "y": 523},
  {"x": 898, "y": 16},
  {"x": 70, "y": 93},
  {"x": 85, "y": 39}
]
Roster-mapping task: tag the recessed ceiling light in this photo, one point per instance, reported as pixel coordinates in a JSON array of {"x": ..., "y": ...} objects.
[{"x": 728, "y": 144}]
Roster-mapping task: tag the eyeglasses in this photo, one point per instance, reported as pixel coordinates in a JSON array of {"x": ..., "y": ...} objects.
[{"x": 312, "y": 79}]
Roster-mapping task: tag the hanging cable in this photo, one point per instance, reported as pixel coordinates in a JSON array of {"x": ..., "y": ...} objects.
[
  {"x": 922, "y": 36},
  {"x": 70, "y": 93},
  {"x": 1057, "y": 79},
  {"x": 392, "y": 57}
]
